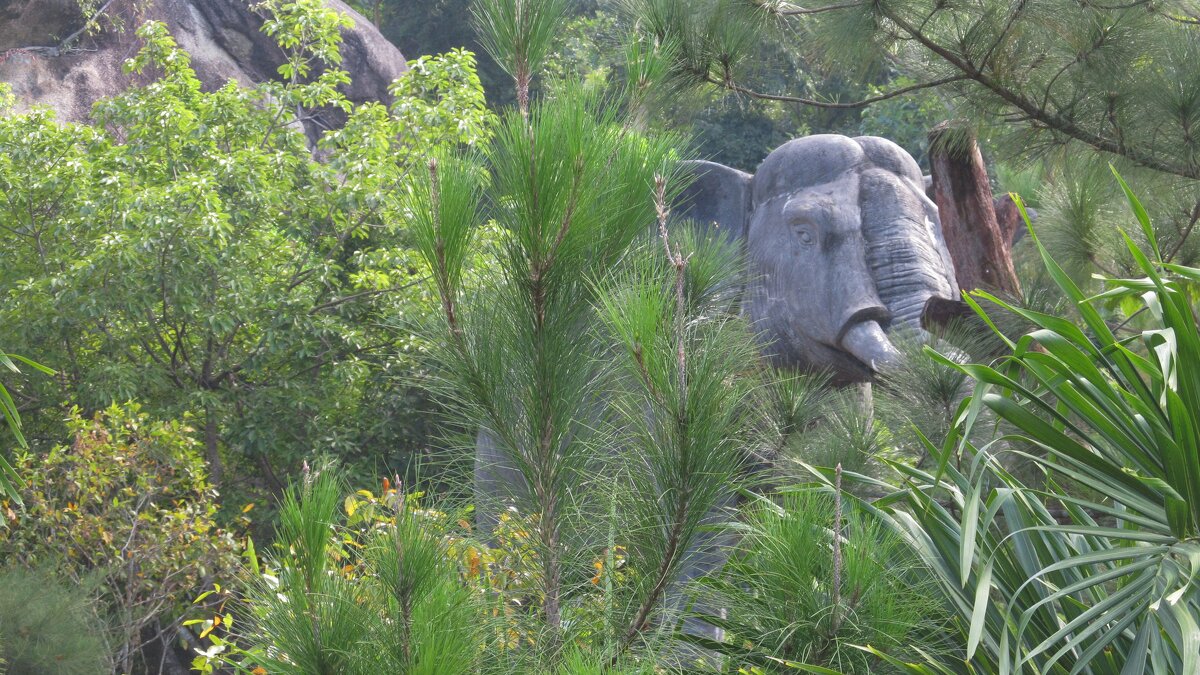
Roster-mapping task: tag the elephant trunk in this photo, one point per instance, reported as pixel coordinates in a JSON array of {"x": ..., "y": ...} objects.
[{"x": 867, "y": 342}]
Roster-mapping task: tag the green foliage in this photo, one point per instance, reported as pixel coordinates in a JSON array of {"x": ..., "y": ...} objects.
[
  {"x": 201, "y": 251},
  {"x": 921, "y": 396},
  {"x": 10, "y": 481},
  {"x": 127, "y": 504},
  {"x": 594, "y": 44},
  {"x": 1094, "y": 572},
  {"x": 1047, "y": 61},
  {"x": 434, "y": 28},
  {"x": 98, "y": 16},
  {"x": 573, "y": 190},
  {"x": 308, "y": 33},
  {"x": 189, "y": 250},
  {"x": 439, "y": 102},
  {"x": 354, "y": 586},
  {"x": 904, "y": 120},
  {"x": 1060, "y": 88},
  {"x": 756, "y": 85},
  {"x": 518, "y": 34},
  {"x": 778, "y": 590},
  {"x": 682, "y": 403},
  {"x": 47, "y": 626},
  {"x": 589, "y": 353},
  {"x": 850, "y": 434}
]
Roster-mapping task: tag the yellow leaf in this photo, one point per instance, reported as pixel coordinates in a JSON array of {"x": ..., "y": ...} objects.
[
  {"x": 351, "y": 505},
  {"x": 246, "y": 508},
  {"x": 473, "y": 562},
  {"x": 216, "y": 621}
]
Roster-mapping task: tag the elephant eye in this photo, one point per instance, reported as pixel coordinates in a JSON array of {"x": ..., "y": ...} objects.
[{"x": 804, "y": 232}]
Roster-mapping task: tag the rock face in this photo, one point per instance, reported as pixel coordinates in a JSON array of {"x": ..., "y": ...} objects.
[{"x": 222, "y": 36}]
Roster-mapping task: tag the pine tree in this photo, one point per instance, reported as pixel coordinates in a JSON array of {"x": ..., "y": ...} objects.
[
  {"x": 1067, "y": 86},
  {"x": 605, "y": 362}
]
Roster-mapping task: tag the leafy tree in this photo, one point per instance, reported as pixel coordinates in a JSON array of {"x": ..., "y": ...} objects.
[{"x": 191, "y": 250}]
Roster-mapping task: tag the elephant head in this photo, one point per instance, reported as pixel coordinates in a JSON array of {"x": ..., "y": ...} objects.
[{"x": 843, "y": 245}]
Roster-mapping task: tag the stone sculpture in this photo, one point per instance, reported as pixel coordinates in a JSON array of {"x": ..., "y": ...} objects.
[{"x": 843, "y": 246}]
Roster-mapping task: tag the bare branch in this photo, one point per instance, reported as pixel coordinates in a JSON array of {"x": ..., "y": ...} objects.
[
  {"x": 1183, "y": 237},
  {"x": 88, "y": 25},
  {"x": 364, "y": 294}
]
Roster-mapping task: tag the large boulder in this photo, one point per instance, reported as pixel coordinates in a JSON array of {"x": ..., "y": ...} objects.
[{"x": 49, "y": 62}]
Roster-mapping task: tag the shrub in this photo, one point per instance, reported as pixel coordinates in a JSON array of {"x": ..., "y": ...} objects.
[
  {"x": 127, "y": 503},
  {"x": 790, "y": 596},
  {"x": 48, "y": 627},
  {"x": 357, "y": 585}
]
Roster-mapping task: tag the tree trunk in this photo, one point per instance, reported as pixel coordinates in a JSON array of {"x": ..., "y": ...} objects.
[{"x": 978, "y": 244}]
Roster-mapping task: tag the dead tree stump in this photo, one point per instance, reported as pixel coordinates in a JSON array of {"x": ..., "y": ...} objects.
[{"x": 978, "y": 243}]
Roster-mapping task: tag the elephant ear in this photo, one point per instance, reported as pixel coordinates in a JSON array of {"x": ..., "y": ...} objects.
[{"x": 719, "y": 199}]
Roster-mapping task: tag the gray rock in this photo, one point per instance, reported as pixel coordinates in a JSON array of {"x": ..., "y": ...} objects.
[{"x": 222, "y": 36}]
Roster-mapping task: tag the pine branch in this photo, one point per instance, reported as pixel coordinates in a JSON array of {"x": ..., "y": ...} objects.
[
  {"x": 1033, "y": 111},
  {"x": 441, "y": 272},
  {"x": 801, "y": 11},
  {"x": 365, "y": 294},
  {"x": 729, "y": 84},
  {"x": 674, "y": 542}
]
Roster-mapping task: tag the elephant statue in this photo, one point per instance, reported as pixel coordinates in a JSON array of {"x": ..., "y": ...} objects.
[{"x": 843, "y": 245}]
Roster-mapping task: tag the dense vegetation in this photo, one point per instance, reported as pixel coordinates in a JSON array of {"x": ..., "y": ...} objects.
[{"x": 270, "y": 359}]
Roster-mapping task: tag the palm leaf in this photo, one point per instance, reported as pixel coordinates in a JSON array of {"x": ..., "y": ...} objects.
[
  {"x": 1095, "y": 570},
  {"x": 10, "y": 481}
]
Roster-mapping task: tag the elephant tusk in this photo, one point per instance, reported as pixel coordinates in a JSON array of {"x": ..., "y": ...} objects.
[{"x": 867, "y": 342}]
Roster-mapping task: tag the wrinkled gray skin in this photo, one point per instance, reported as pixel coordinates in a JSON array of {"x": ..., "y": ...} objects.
[{"x": 843, "y": 246}]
